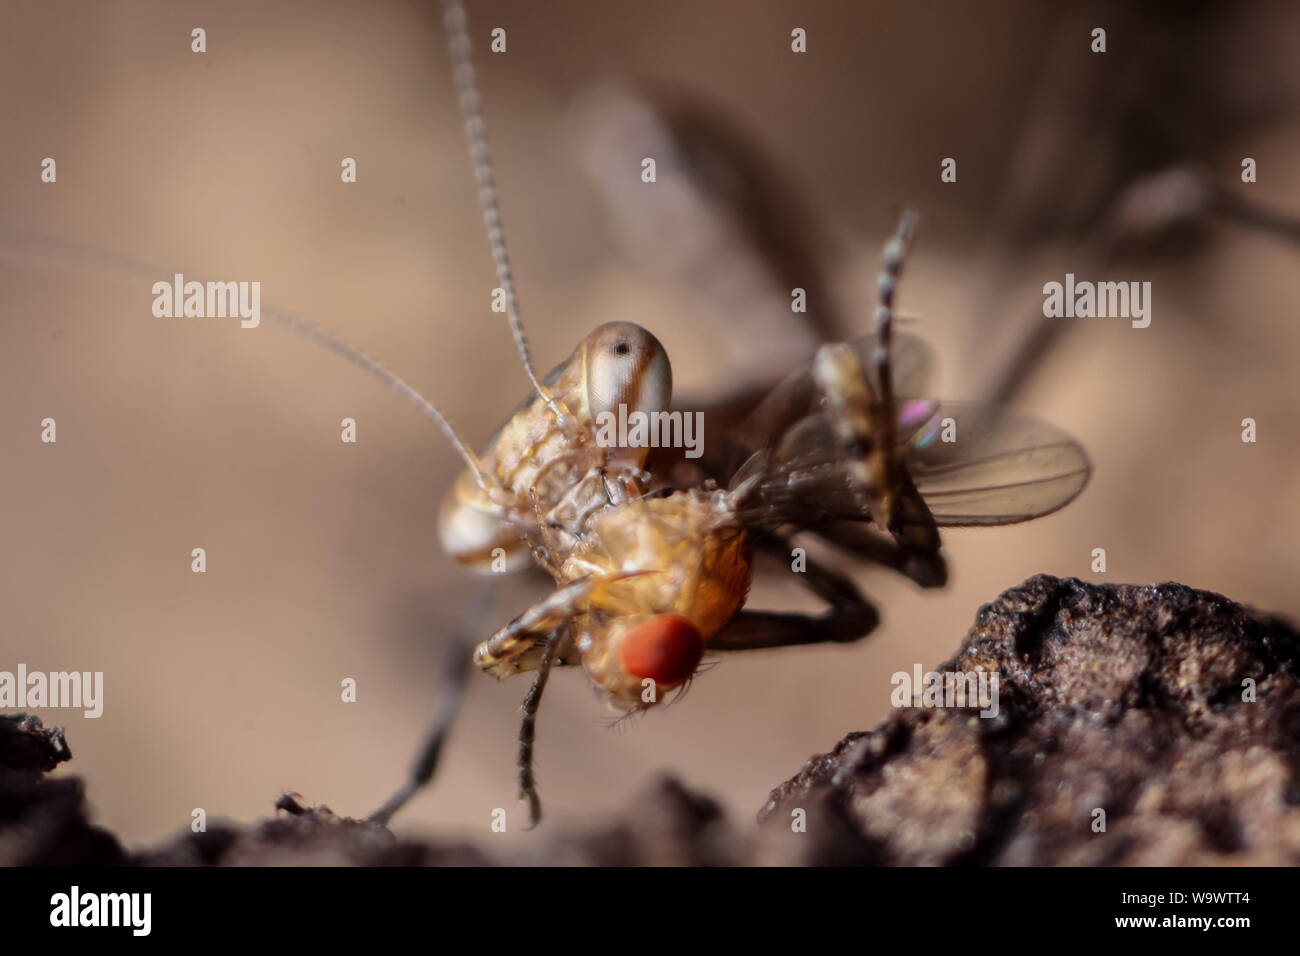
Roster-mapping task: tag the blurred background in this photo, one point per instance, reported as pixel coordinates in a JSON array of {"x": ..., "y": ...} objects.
[{"x": 223, "y": 689}]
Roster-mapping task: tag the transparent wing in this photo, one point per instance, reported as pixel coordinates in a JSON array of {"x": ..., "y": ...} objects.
[
  {"x": 1000, "y": 467},
  {"x": 971, "y": 464}
]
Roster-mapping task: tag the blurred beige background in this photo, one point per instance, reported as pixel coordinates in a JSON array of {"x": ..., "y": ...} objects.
[{"x": 223, "y": 689}]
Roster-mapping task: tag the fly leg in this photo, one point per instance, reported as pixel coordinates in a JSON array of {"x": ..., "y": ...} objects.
[
  {"x": 851, "y": 616},
  {"x": 925, "y": 567},
  {"x": 538, "y": 640},
  {"x": 513, "y": 649},
  {"x": 518, "y": 646},
  {"x": 528, "y": 728}
]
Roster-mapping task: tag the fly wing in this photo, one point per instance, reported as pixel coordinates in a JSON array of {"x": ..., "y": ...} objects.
[{"x": 1000, "y": 467}]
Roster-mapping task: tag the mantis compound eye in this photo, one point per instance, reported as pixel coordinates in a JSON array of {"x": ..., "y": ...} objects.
[
  {"x": 626, "y": 365},
  {"x": 666, "y": 649}
]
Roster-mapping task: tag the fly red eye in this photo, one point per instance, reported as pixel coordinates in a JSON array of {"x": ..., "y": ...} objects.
[{"x": 666, "y": 648}]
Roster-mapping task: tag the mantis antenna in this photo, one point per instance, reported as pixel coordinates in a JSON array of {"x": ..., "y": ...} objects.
[
  {"x": 462, "y": 64},
  {"x": 47, "y": 250}
]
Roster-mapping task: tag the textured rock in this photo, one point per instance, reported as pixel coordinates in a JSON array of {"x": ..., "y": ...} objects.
[
  {"x": 43, "y": 821},
  {"x": 1120, "y": 698},
  {"x": 303, "y": 836},
  {"x": 664, "y": 825}
]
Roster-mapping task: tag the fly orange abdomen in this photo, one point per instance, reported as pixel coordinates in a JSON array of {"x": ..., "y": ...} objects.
[{"x": 666, "y": 649}]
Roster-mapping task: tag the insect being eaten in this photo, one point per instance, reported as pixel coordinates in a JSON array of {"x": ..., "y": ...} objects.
[
  {"x": 651, "y": 571},
  {"x": 652, "y": 549}
]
